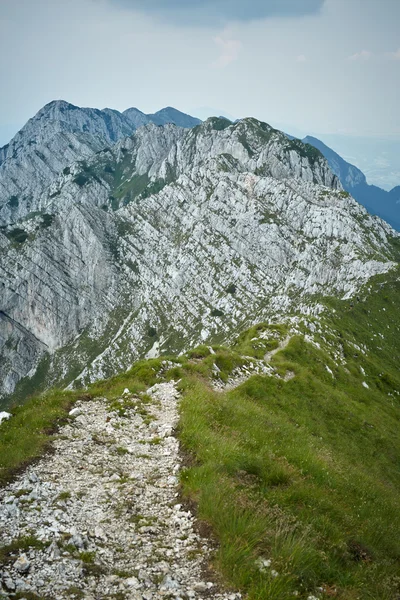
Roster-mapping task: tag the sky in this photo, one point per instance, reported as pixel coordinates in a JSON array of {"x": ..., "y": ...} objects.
[{"x": 307, "y": 66}]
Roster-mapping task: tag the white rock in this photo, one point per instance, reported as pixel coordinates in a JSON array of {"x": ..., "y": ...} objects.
[
  {"x": 4, "y": 416},
  {"x": 75, "y": 412},
  {"x": 22, "y": 564},
  {"x": 132, "y": 582},
  {"x": 213, "y": 197},
  {"x": 274, "y": 573}
]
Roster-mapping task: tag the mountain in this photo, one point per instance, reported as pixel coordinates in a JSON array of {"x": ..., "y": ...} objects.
[
  {"x": 285, "y": 445},
  {"x": 59, "y": 134},
  {"x": 263, "y": 301},
  {"x": 167, "y": 238},
  {"x": 376, "y": 200},
  {"x": 171, "y": 115}
]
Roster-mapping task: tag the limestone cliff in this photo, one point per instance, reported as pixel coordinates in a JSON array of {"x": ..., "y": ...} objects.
[{"x": 171, "y": 237}]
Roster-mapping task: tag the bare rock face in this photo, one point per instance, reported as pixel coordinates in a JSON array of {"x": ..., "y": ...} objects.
[
  {"x": 171, "y": 237},
  {"x": 58, "y": 135}
]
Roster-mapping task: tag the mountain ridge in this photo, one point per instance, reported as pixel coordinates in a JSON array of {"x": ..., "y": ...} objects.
[
  {"x": 262, "y": 299},
  {"x": 59, "y": 134},
  {"x": 97, "y": 128},
  {"x": 385, "y": 204},
  {"x": 171, "y": 237}
]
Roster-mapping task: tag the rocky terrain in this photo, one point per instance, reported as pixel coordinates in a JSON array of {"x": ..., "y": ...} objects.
[
  {"x": 59, "y": 134},
  {"x": 100, "y": 516},
  {"x": 169, "y": 238}
]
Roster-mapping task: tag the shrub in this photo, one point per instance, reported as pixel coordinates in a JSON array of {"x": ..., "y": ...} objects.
[
  {"x": 47, "y": 220},
  {"x": 81, "y": 179},
  {"x": 13, "y": 201},
  {"x": 17, "y": 235}
]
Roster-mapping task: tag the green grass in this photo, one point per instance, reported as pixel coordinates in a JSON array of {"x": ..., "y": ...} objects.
[
  {"x": 249, "y": 343},
  {"x": 27, "y": 434},
  {"x": 64, "y": 496},
  {"x": 199, "y": 352},
  {"x": 10, "y": 552},
  {"x": 305, "y": 472}
]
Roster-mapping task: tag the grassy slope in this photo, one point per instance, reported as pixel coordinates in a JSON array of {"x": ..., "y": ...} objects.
[
  {"x": 305, "y": 472},
  {"x": 302, "y": 472}
]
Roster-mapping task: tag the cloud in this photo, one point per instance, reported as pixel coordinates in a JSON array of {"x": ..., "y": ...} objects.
[
  {"x": 363, "y": 55},
  {"x": 217, "y": 12},
  {"x": 229, "y": 51},
  {"x": 393, "y": 55},
  {"x": 301, "y": 58}
]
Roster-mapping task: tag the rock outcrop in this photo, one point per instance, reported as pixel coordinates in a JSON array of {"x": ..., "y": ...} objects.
[
  {"x": 171, "y": 237},
  {"x": 59, "y": 134}
]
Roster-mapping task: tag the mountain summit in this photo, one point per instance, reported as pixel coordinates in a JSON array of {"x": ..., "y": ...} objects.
[
  {"x": 59, "y": 134},
  {"x": 164, "y": 239}
]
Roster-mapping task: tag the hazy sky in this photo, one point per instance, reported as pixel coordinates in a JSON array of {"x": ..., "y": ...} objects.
[{"x": 311, "y": 66}]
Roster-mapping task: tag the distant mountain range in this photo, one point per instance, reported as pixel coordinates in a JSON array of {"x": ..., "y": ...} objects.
[{"x": 376, "y": 200}]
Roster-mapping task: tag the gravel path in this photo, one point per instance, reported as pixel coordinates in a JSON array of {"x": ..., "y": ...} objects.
[{"x": 102, "y": 510}]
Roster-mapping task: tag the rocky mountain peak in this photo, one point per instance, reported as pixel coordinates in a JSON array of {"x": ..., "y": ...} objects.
[
  {"x": 56, "y": 106},
  {"x": 168, "y": 237},
  {"x": 172, "y": 115},
  {"x": 57, "y": 136}
]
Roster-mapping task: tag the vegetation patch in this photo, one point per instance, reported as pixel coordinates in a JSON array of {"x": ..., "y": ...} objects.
[
  {"x": 216, "y": 312},
  {"x": 260, "y": 339},
  {"x": 27, "y": 434},
  {"x": 10, "y": 552},
  {"x": 305, "y": 150},
  {"x": 17, "y": 235},
  {"x": 47, "y": 220},
  {"x": 81, "y": 179},
  {"x": 199, "y": 352},
  {"x": 13, "y": 201},
  {"x": 302, "y": 474},
  {"x": 219, "y": 123}
]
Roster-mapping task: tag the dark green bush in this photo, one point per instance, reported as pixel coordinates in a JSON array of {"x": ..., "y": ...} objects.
[
  {"x": 17, "y": 235},
  {"x": 13, "y": 201}
]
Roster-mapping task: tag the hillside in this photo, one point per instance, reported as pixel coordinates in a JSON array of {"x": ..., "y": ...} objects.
[
  {"x": 289, "y": 454},
  {"x": 376, "y": 200},
  {"x": 252, "y": 452},
  {"x": 169, "y": 238}
]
